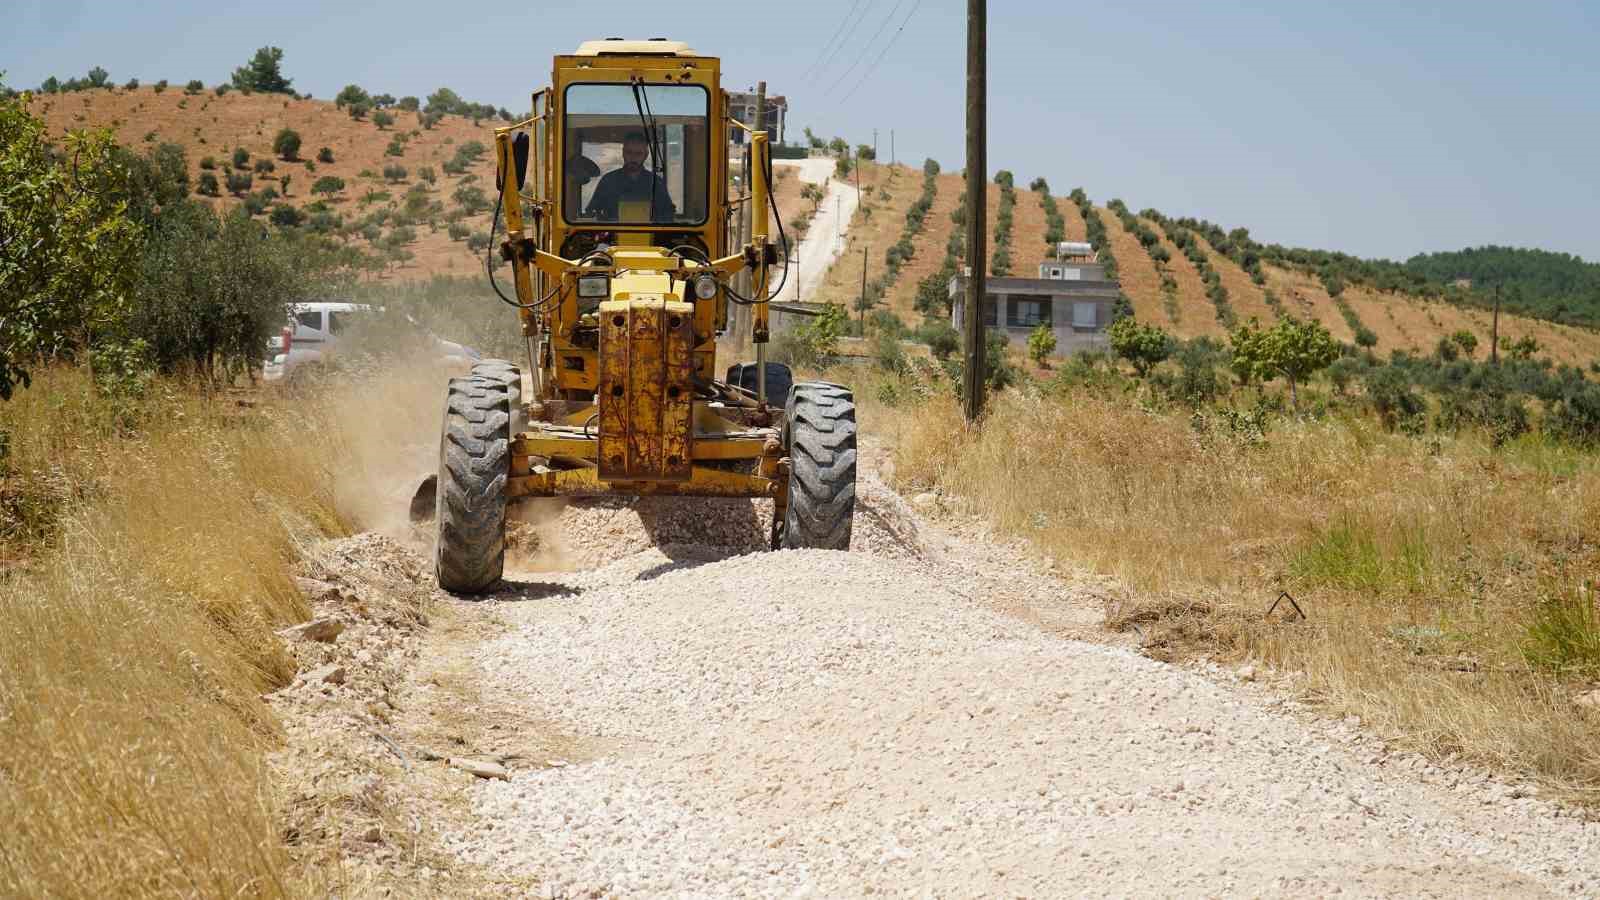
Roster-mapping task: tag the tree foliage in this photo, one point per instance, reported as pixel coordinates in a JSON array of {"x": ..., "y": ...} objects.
[
  {"x": 68, "y": 248},
  {"x": 1041, "y": 343},
  {"x": 1145, "y": 346},
  {"x": 263, "y": 73},
  {"x": 1291, "y": 349},
  {"x": 287, "y": 144}
]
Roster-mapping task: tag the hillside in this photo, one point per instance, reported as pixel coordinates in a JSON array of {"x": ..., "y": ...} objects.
[
  {"x": 406, "y": 218},
  {"x": 1177, "y": 295},
  {"x": 420, "y": 199}
]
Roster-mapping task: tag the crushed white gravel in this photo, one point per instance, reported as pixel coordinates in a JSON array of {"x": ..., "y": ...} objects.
[{"x": 908, "y": 718}]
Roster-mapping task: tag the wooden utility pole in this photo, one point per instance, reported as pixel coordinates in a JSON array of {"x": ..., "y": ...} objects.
[
  {"x": 1494, "y": 330},
  {"x": 977, "y": 181},
  {"x": 861, "y": 303}
]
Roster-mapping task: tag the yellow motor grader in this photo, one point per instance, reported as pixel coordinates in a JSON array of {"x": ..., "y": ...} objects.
[{"x": 618, "y": 208}]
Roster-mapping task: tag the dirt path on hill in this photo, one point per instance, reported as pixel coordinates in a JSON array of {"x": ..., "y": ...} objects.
[
  {"x": 825, "y": 238},
  {"x": 677, "y": 710}
]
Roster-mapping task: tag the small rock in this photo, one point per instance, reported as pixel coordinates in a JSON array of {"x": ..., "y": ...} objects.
[
  {"x": 479, "y": 767},
  {"x": 317, "y": 591},
  {"x": 924, "y": 500},
  {"x": 322, "y": 629},
  {"x": 1245, "y": 673},
  {"x": 329, "y": 674},
  {"x": 372, "y": 835},
  {"x": 1590, "y": 699}
]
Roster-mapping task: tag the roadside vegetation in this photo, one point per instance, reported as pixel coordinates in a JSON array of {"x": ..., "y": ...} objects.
[
  {"x": 152, "y": 502},
  {"x": 1432, "y": 515}
]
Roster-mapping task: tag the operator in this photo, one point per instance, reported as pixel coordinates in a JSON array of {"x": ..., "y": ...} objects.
[{"x": 632, "y": 182}]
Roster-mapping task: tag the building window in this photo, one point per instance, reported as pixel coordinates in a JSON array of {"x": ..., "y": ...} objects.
[
  {"x": 990, "y": 316},
  {"x": 1028, "y": 312},
  {"x": 1083, "y": 315}
]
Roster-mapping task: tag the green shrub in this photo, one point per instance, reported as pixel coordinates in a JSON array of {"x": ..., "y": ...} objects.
[
  {"x": 194, "y": 87},
  {"x": 394, "y": 173},
  {"x": 263, "y": 166},
  {"x": 285, "y": 216},
  {"x": 161, "y": 86},
  {"x": 325, "y": 155},
  {"x": 208, "y": 185},
  {"x": 287, "y": 144},
  {"x": 241, "y": 157},
  {"x": 327, "y": 185},
  {"x": 382, "y": 119},
  {"x": 208, "y": 163}
]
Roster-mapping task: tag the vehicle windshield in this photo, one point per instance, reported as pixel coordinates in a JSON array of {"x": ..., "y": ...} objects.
[{"x": 636, "y": 155}]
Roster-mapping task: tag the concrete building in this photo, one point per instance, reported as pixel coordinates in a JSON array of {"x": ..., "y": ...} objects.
[
  {"x": 1071, "y": 296},
  {"x": 742, "y": 106}
]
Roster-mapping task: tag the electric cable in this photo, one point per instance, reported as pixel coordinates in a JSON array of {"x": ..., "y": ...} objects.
[
  {"x": 862, "y": 55},
  {"x": 885, "y": 52},
  {"x": 819, "y": 65}
]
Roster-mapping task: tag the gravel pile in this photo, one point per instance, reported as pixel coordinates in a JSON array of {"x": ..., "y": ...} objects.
[{"x": 879, "y": 722}]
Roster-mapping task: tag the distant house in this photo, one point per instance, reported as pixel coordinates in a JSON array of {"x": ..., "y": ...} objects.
[
  {"x": 1071, "y": 296},
  {"x": 742, "y": 106}
]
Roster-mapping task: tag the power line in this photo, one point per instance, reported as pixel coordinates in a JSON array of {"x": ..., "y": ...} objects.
[
  {"x": 818, "y": 64},
  {"x": 870, "y": 41},
  {"x": 885, "y": 52}
]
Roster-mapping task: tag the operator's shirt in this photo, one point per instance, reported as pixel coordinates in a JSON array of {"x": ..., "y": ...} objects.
[{"x": 617, "y": 187}]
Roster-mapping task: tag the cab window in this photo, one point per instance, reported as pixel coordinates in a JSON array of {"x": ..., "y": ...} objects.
[
  {"x": 310, "y": 319},
  {"x": 636, "y": 154}
]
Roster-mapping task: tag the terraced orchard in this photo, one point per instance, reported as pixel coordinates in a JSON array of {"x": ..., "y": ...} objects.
[
  {"x": 415, "y": 192},
  {"x": 1188, "y": 276}
]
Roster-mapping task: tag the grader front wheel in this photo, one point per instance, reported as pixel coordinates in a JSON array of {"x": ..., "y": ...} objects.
[
  {"x": 822, "y": 468},
  {"x": 474, "y": 464}
]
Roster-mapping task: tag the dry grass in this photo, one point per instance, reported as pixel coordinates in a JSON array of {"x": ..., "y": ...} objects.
[
  {"x": 1432, "y": 572},
  {"x": 140, "y": 640}
]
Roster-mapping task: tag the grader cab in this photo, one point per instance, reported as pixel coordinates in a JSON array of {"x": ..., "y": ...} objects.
[{"x": 620, "y": 238}]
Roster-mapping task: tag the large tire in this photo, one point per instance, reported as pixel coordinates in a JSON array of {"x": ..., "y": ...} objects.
[
  {"x": 511, "y": 374},
  {"x": 474, "y": 464},
  {"x": 779, "y": 380},
  {"x": 822, "y": 467}
]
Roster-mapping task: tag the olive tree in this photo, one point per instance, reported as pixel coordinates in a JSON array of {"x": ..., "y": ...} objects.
[
  {"x": 287, "y": 144},
  {"x": 1291, "y": 349},
  {"x": 1145, "y": 346}
]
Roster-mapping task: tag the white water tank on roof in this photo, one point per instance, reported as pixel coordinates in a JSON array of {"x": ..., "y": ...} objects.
[{"x": 1065, "y": 249}]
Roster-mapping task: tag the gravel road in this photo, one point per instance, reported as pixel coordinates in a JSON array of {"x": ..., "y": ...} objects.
[
  {"x": 824, "y": 240},
  {"x": 918, "y": 716}
]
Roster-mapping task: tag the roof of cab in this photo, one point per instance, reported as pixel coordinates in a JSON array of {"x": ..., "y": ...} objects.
[{"x": 622, "y": 47}]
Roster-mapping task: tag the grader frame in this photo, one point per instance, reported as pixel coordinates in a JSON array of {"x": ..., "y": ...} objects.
[{"x": 621, "y": 301}]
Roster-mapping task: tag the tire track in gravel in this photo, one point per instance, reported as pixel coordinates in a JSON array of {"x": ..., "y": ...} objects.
[{"x": 930, "y": 713}]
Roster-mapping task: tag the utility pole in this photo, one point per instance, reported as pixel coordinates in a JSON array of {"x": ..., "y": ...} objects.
[
  {"x": 874, "y": 143},
  {"x": 1494, "y": 330},
  {"x": 861, "y": 304},
  {"x": 977, "y": 182}
]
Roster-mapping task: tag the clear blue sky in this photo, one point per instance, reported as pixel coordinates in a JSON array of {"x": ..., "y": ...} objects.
[{"x": 1375, "y": 128}]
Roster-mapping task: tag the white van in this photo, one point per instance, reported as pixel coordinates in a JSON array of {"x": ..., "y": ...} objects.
[{"x": 313, "y": 330}]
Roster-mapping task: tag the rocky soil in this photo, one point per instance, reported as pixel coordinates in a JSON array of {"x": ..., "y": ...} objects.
[{"x": 655, "y": 705}]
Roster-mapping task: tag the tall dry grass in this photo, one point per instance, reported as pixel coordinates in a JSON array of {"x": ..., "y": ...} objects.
[
  {"x": 1444, "y": 579},
  {"x": 138, "y": 638}
]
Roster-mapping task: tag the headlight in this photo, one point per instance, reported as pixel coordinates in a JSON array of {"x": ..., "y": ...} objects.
[
  {"x": 706, "y": 286},
  {"x": 594, "y": 287}
]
